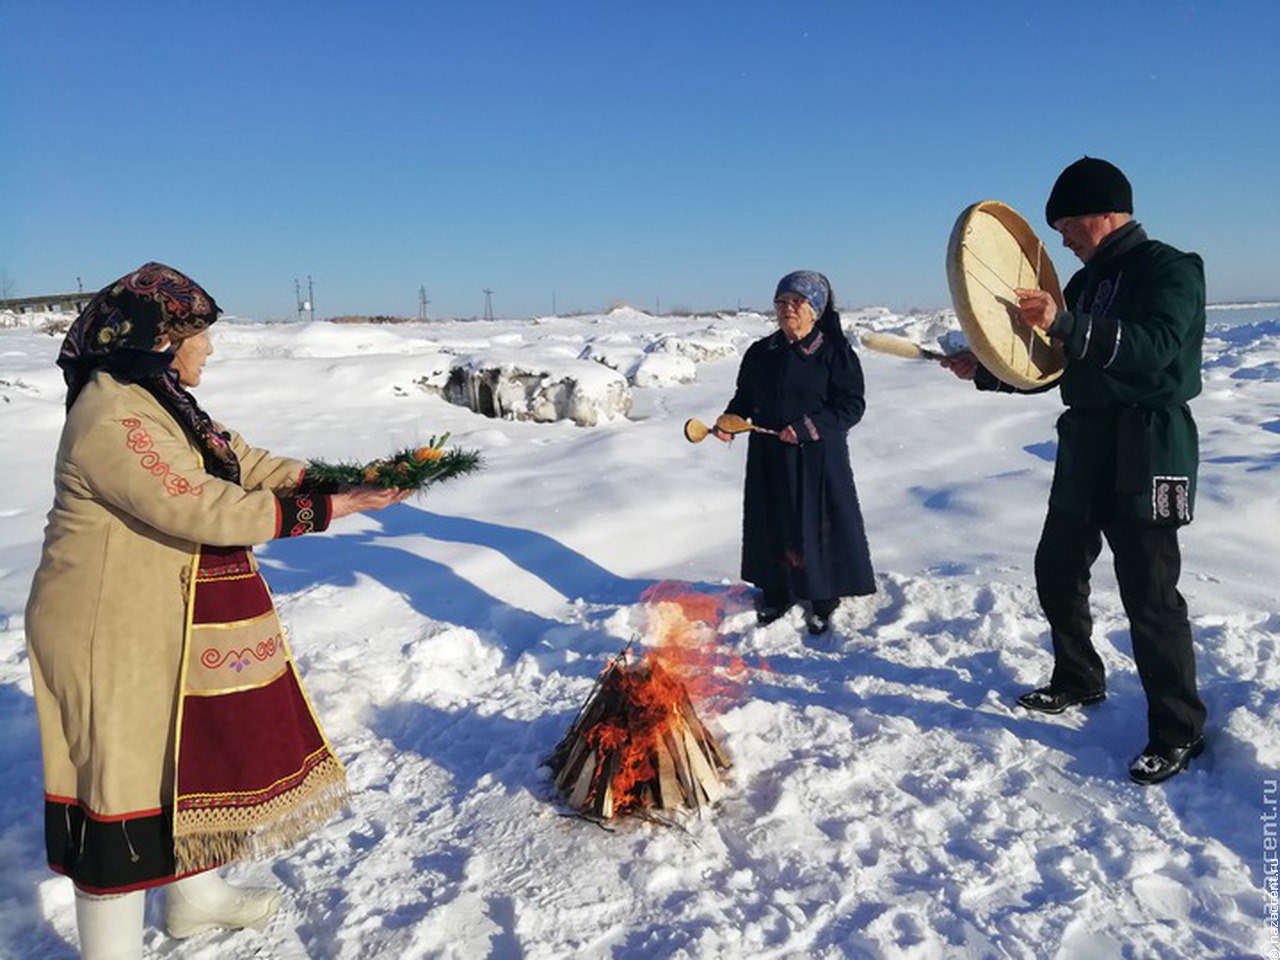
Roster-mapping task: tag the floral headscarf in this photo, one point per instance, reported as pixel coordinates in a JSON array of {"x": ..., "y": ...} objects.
[{"x": 119, "y": 332}]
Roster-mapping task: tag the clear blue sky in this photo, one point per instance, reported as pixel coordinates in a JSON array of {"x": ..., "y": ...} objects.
[{"x": 689, "y": 151}]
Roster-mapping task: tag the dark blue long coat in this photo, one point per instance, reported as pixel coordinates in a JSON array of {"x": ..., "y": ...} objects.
[{"x": 802, "y": 527}]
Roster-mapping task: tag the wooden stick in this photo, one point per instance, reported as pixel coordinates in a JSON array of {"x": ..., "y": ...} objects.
[
  {"x": 668, "y": 785},
  {"x": 705, "y": 776},
  {"x": 680, "y": 764},
  {"x": 582, "y": 788},
  {"x": 899, "y": 347},
  {"x": 573, "y": 767}
]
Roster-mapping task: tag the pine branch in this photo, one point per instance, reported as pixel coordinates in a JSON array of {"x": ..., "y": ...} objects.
[{"x": 409, "y": 469}]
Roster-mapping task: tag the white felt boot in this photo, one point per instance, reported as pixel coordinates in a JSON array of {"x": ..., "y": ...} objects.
[
  {"x": 110, "y": 926},
  {"x": 205, "y": 902}
]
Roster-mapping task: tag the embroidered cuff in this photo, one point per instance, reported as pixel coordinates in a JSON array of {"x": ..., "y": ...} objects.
[
  {"x": 299, "y": 513},
  {"x": 1094, "y": 339},
  {"x": 805, "y": 429}
]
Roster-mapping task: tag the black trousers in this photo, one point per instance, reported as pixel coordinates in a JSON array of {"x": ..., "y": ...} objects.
[{"x": 1147, "y": 565}]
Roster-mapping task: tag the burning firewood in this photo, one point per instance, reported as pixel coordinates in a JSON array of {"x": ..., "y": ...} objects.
[{"x": 638, "y": 746}]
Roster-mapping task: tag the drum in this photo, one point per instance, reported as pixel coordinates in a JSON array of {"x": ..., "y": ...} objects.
[{"x": 993, "y": 252}]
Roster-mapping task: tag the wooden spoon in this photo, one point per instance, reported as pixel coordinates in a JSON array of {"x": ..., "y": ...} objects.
[{"x": 695, "y": 431}]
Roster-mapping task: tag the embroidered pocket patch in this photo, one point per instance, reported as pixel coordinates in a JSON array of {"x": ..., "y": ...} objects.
[{"x": 1171, "y": 499}]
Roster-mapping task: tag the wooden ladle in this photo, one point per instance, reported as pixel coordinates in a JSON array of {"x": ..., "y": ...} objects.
[{"x": 695, "y": 431}]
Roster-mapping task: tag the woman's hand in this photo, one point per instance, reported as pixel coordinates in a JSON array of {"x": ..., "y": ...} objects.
[
  {"x": 788, "y": 435},
  {"x": 722, "y": 435},
  {"x": 963, "y": 364},
  {"x": 363, "y": 499}
]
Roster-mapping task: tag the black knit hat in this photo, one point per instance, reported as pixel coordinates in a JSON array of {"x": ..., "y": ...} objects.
[{"x": 1089, "y": 186}]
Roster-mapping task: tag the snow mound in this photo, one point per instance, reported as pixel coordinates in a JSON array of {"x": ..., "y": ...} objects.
[
  {"x": 699, "y": 347},
  {"x": 663, "y": 370},
  {"x": 936, "y": 330},
  {"x": 436, "y": 369},
  {"x": 626, "y": 314},
  {"x": 542, "y": 388},
  {"x": 621, "y": 355},
  {"x": 668, "y": 360},
  {"x": 874, "y": 318}
]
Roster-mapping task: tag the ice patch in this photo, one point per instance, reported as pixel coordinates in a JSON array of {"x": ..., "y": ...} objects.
[{"x": 556, "y": 389}]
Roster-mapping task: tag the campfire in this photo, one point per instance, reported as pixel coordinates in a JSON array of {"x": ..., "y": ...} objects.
[{"x": 638, "y": 745}]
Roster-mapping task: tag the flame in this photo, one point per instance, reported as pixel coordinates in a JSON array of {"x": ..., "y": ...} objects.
[
  {"x": 649, "y": 697},
  {"x": 683, "y": 665},
  {"x": 687, "y": 648},
  {"x": 682, "y": 627}
]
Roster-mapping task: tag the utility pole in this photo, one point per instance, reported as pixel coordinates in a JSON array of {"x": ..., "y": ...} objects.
[
  {"x": 307, "y": 306},
  {"x": 657, "y": 306},
  {"x": 553, "y": 304},
  {"x": 79, "y": 286},
  {"x": 488, "y": 304},
  {"x": 422, "y": 303}
]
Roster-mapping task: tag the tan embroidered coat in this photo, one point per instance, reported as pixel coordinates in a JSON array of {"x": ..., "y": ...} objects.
[{"x": 106, "y": 618}]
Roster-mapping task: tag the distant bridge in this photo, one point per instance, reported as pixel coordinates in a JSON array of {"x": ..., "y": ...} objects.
[{"x": 52, "y": 303}]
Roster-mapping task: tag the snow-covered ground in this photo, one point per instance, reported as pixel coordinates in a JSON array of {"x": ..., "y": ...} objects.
[{"x": 886, "y": 800}]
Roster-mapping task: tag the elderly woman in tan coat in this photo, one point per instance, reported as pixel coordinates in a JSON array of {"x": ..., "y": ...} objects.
[{"x": 176, "y": 735}]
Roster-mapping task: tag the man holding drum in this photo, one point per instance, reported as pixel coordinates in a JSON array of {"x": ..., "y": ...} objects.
[{"x": 1127, "y": 455}]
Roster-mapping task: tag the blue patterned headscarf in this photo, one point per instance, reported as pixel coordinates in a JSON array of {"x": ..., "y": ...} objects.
[
  {"x": 816, "y": 289},
  {"x": 809, "y": 284}
]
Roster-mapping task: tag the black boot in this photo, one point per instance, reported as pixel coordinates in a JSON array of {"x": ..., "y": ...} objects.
[
  {"x": 1158, "y": 762},
  {"x": 772, "y": 605},
  {"x": 818, "y": 619},
  {"x": 1049, "y": 700}
]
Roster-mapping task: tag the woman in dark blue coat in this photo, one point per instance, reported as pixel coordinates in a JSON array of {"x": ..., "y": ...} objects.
[{"x": 802, "y": 531}]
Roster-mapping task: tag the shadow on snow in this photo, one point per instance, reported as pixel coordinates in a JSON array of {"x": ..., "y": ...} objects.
[
  {"x": 1227, "y": 777},
  {"x": 433, "y": 589}
]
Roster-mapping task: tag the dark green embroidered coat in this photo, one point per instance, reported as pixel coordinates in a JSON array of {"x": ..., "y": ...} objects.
[{"x": 1133, "y": 332}]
